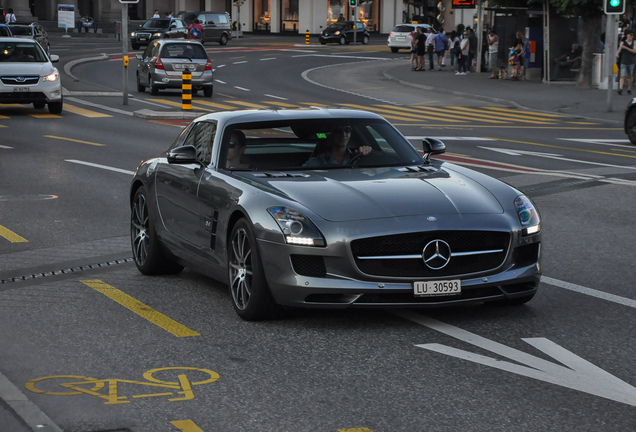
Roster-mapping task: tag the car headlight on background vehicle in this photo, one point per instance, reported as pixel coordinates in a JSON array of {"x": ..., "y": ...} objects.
[
  {"x": 157, "y": 35},
  {"x": 132, "y": 34},
  {"x": 51, "y": 77},
  {"x": 528, "y": 215},
  {"x": 296, "y": 227}
]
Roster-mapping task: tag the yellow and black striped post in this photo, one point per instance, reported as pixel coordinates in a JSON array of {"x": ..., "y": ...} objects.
[
  {"x": 307, "y": 37},
  {"x": 186, "y": 87}
]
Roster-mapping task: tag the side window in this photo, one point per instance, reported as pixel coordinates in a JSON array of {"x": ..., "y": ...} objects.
[
  {"x": 202, "y": 19},
  {"x": 202, "y": 138}
]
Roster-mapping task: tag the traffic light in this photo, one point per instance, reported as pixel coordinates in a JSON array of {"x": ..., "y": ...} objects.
[
  {"x": 614, "y": 6},
  {"x": 353, "y": 3}
]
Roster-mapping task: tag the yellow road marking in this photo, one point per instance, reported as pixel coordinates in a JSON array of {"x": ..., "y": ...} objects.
[
  {"x": 248, "y": 104},
  {"x": 215, "y": 105},
  {"x": 520, "y": 118},
  {"x": 186, "y": 426},
  {"x": 84, "y": 112},
  {"x": 405, "y": 116},
  {"x": 141, "y": 309},
  {"x": 281, "y": 104},
  {"x": 564, "y": 148},
  {"x": 11, "y": 236},
  {"x": 74, "y": 140},
  {"x": 45, "y": 115},
  {"x": 493, "y": 108}
]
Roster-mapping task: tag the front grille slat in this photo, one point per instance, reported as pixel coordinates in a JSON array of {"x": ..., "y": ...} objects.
[
  {"x": 20, "y": 80},
  {"x": 475, "y": 250}
]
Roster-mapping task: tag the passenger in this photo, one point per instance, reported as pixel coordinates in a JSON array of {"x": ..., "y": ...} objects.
[
  {"x": 336, "y": 152},
  {"x": 235, "y": 149}
]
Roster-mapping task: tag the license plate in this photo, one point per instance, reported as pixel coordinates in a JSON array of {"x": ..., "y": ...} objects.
[
  {"x": 21, "y": 90},
  {"x": 400, "y": 38},
  {"x": 435, "y": 288},
  {"x": 142, "y": 38}
]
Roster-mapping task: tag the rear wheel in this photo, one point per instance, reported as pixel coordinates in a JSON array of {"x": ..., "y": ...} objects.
[
  {"x": 394, "y": 50},
  {"x": 251, "y": 297},
  {"x": 630, "y": 126},
  {"x": 147, "y": 250},
  {"x": 207, "y": 91}
]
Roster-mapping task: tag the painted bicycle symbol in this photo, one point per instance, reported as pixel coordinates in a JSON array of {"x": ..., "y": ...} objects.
[{"x": 109, "y": 389}]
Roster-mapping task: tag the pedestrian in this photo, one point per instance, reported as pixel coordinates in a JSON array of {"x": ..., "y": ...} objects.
[
  {"x": 420, "y": 48},
  {"x": 453, "y": 40},
  {"x": 463, "y": 59},
  {"x": 195, "y": 30},
  {"x": 493, "y": 51},
  {"x": 626, "y": 53},
  {"x": 430, "y": 46},
  {"x": 472, "y": 49},
  {"x": 441, "y": 43},
  {"x": 413, "y": 50},
  {"x": 567, "y": 61},
  {"x": 156, "y": 15},
  {"x": 516, "y": 57},
  {"x": 10, "y": 17}
]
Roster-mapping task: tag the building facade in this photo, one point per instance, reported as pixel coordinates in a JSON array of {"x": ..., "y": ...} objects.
[{"x": 271, "y": 16}]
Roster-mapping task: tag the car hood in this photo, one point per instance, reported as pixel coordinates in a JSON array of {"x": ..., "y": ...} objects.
[
  {"x": 341, "y": 195},
  {"x": 27, "y": 68}
]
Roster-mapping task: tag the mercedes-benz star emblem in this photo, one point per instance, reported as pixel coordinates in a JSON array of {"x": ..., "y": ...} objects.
[{"x": 436, "y": 254}]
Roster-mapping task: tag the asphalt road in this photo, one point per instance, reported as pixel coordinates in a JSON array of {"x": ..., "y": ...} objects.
[{"x": 95, "y": 345}]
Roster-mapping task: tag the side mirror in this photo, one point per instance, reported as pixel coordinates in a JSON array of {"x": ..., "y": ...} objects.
[
  {"x": 432, "y": 146},
  {"x": 183, "y": 155},
  {"x": 54, "y": 58}
]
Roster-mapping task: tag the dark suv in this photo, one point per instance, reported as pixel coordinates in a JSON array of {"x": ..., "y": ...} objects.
[
  {"x": 342, "y": 32},
  {"x": 157, "y": 28}
]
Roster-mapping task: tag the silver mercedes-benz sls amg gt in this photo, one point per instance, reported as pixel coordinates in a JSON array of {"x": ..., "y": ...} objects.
[{"x": 330, "y": 208}]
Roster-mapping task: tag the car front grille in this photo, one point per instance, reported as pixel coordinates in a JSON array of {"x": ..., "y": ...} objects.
[
  {"x": 19, "y": 80},
  {"x": 401, "y": 255}
]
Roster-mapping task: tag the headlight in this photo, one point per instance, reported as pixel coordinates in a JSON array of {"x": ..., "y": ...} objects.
[
  {"x": 132, "y": 34},
  {"x": 52, "y": 77},
  {"x": 528, "y": 215},
  {"x": 157, "y": 35},
  {"x": 337, "y": 33},
  {"x": 296, "y": 227}
]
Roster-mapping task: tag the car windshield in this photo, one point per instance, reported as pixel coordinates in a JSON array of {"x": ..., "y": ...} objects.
[
  {"x": 308, "y": 144},
  {"x": 183, "y": 50},
  {"x": 338, "y": 26},
  {"x": 157, "y": 23},
  {"x": 4, "y": 31},
  {"x": 21, "y": 52},
  {"x": 21, "y": 30}
]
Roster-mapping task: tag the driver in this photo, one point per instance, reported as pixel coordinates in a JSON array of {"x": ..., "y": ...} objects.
[{"x": 336, "y": 151}]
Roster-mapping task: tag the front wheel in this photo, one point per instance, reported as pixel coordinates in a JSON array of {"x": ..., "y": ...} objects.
[
  {"x": 39, "y": 105},
  {"x": 251, "y": 297},
  {"x": 147, "y": 250},
  {"x": 630, "y": 126},
  {"x": 56, "y": 107},
  {"x": 134, "y": 46},
  {"x": 365, "y": 40},
  {"x": 140, "y": 87},
  {"x": 223, "y": 40},
  {"x": 342, "y": 40}
]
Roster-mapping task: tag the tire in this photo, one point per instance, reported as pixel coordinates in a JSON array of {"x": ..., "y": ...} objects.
[
  {"x": 394, "y": 50},
  {"x": 134, "y": 46},
  {"x": 342, "y": 40},
  {"x": 250, "y": 294},
  {"x": 223, "y": 40},
  {"x": 365, "y": 40},
  {"x": 140, "y": 88},
  {"x": 153, "y": 89},
  {"x": 207, "y": 91},
  {"x": 39, "y": 105},
  {"x": 148, "y": 252},
  {"x": 56, "y": 107},
  {"x": 630, "y": 126}
]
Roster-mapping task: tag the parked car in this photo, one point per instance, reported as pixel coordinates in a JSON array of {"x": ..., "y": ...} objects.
[
  {"x": 342, "y": 32},
  {"x": 400, "y": 36},
  {"x": 629, "y": 123},
  {"x": 5, "y": 31},
  {"x": 158, "y": 28},
  {"x": 217, "y": 26},
  {"x": 162, "y": 64},
  {"x": 236, "y": 197},
  {"x": 27, "y": 75},
  {"x": 32, "y": 31}
]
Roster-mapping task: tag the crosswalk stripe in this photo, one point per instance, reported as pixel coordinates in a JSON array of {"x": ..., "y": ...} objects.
[
  {"x": 248, "y": 104},
  {"x": 84, "y": 112},
  {"x": 536, "y": 114},
  {"x": 488, "y": 117},
  {"x": 419, "y": 115}
]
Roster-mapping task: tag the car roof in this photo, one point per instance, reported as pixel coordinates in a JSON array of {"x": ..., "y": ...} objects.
[
  {"x": 312, "y": 113},
  {"x": 17, "y": 40},
  {"x": 178, "y": 42}
]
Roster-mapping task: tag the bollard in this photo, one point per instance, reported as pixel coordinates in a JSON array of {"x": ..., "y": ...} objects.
[
  {"x": 186, "y": 87},
  {"x": 307, "y": 37}
]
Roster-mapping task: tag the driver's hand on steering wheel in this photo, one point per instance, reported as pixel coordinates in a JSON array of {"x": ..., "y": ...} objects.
[{"x": 363, "y": 150}]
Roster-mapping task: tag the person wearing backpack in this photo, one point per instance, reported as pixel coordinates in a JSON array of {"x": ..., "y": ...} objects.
[
  {"x": 195, "y": 31},
  {"x": 441, "y": 43}
]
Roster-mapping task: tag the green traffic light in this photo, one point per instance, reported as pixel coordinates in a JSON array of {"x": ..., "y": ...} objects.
[{"x": 615, "y": 3}]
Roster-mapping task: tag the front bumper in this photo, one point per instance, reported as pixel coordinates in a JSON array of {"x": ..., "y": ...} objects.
[{"x": 41, "y": 92}]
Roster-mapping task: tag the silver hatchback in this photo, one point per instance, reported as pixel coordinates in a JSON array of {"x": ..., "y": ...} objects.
[{"x": 162, "y": 64}]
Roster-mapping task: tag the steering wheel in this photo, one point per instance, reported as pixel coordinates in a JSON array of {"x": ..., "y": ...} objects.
[{"x": 355, "y": 159}]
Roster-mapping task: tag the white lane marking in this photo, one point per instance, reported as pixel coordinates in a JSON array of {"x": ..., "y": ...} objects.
[
  {"x": 577, "y": 374},
  {"x": 605, "y": 142},
  {"x": 240, "y": 62},
  {"x": 106, "y": 108},
  {"x": 220, "y": 82},
  {"x": 589, "y": 291},
  {"x": 450, "y": 138},
  {"x": 6, "y": 147},
  {"x": 220, "y": 66},
  {"x": 275, "y": 97},
  {"x": 344, "y": 57},
  {"x": 269, "y": 58},
  {"x": 94, "y": 165},
  {"x": 554, "y": 156},
  {"x": 242, "y": 88}
]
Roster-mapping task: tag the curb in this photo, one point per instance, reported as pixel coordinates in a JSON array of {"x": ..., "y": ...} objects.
[{"x": 24, "y": 408}]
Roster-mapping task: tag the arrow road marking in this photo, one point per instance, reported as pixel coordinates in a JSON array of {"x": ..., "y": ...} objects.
[{"x": 577, "y": 373}]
